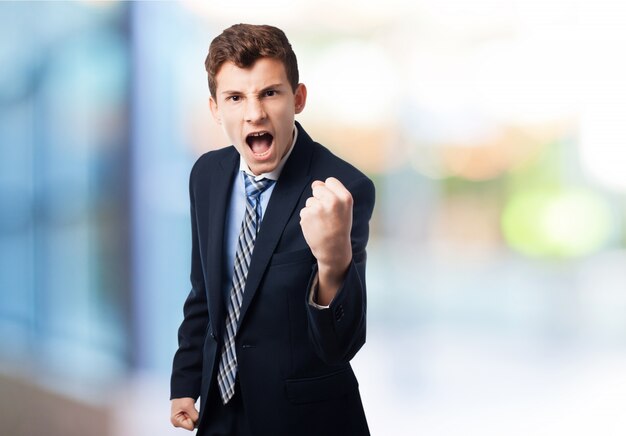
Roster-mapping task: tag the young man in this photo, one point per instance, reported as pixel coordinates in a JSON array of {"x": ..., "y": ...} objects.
[{"x": 279, "y": 230}]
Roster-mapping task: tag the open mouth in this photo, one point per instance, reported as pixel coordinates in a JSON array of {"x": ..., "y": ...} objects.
[{"x": 260, "y": 143}]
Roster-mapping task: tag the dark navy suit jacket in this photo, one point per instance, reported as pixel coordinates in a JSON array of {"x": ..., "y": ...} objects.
[{"x": 294, "y": 371}]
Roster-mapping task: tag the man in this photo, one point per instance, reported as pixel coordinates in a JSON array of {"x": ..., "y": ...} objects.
[{"x": 279, "y": 230}]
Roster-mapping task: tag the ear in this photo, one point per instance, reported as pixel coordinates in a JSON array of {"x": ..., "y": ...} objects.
[
  {"x": 300, "y": 98},
  {"x": 215, "y": 111}
]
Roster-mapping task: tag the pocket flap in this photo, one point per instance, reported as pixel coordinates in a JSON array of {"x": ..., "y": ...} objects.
[
  {"x": 286, "y": 257},
  {"x": 308, "y": 390}
]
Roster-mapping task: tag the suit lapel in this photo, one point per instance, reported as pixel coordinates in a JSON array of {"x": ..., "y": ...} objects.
[
  {"x": 220, "y": 188},
  {"x": 291, "y": 183}
]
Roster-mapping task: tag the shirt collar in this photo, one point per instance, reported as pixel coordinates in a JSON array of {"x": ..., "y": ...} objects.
[{"x": 272, "y": 175}]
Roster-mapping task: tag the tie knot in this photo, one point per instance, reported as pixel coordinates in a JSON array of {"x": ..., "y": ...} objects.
[{"x": 254, "y": 188}]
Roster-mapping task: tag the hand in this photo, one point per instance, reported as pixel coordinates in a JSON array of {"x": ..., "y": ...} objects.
[
  {"x": 326, "y": 222},
  {"x": 184, "y": 413}
]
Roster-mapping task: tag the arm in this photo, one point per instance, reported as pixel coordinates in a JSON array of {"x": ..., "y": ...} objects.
[
  {"x": 337, "y": 231},
  {"x": 187, "y": 366}
]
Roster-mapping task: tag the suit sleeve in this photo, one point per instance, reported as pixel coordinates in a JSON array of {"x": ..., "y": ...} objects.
[
  {"x": 187, "y": 366},
  {"x": 338, "y": 332}
]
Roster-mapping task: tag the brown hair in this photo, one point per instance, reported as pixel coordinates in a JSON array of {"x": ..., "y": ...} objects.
[{"x": 244, "y": 44}]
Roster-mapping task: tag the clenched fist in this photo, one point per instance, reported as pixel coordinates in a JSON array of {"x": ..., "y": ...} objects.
[
  {"x": 326, "y": 222},
  {"x": 184, "y": 413}
]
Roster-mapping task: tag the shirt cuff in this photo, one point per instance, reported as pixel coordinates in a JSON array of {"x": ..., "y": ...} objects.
[{"x": 313, "y": 294}]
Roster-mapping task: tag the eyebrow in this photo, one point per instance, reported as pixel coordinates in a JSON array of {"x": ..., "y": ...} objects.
[{"x": 267, "y": 88}]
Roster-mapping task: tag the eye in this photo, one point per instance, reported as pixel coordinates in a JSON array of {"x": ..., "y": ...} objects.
[
  {"x": 270, "y": 93},
  {"x": 234, "y": 98}
]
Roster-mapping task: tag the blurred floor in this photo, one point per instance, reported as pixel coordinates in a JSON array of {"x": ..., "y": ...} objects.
[{"x": 29, "y": 409}]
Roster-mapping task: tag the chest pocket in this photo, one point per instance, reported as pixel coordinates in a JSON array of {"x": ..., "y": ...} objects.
[{"x": 290, "y": 257}]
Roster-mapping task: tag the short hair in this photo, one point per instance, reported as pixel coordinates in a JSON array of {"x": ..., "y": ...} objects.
[{"x": 244, "y": 44}]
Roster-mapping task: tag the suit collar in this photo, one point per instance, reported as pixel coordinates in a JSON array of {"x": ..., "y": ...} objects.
[{"x": 220, "y": 188}]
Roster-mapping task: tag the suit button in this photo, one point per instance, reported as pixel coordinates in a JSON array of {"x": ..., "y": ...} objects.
[{"x": 339, "y": 313}]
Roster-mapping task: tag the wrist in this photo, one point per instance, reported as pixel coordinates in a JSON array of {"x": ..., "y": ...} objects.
[
  {"x": 332, "y": 274},
  {"x": 330, "y": 280}
]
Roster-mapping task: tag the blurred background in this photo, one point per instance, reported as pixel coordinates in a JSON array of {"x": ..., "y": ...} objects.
[{"x": 495, "y": 132}]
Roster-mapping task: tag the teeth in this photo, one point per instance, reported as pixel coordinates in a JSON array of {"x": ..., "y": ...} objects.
[{"x": 257, "y": 134}]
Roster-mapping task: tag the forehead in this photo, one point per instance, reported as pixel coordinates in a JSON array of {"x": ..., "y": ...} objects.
[{"x": 264, "y": 72}]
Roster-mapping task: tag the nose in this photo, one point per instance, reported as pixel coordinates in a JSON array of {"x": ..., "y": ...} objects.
[{"x": 254, "y": 111}]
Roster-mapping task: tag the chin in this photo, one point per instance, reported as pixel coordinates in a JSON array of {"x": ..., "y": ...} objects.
[{"x": 263, "y": 168}]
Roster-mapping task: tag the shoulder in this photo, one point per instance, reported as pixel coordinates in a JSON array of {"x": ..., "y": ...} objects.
[
  {"x": 326, "y": 164},
  {"x": 212, "y": 158},
  {"x": 206, "y": 165},
  {"x": 209, "y": 162}
]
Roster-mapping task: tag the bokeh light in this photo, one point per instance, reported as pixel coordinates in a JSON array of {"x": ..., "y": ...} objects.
[{"x": 557, "y": 223}]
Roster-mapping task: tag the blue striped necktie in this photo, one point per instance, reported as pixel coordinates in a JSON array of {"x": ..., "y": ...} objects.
[{"x": 249, "y": 228}]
